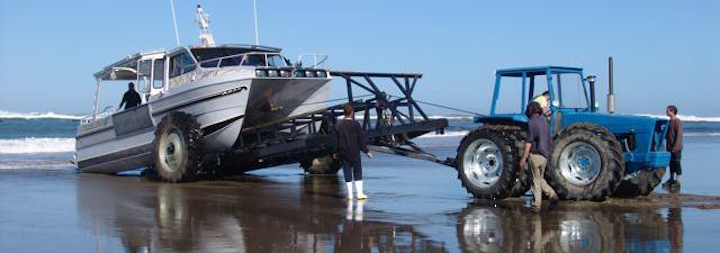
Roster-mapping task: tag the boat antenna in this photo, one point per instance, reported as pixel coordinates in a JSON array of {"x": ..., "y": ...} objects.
[
  {"x": 257, "y": 38},
  {"x": 172, "y": 9},
  {"x": 203, "y": 20}
]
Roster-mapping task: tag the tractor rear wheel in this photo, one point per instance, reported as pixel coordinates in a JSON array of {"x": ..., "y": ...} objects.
[
  {"x": 177, "y": 148},
  {"x": 586, "y": 163},
  {"x": 326, "y": 165},
  {"x": 640, "y": 183},
  {"x": 486, "y": 163}
]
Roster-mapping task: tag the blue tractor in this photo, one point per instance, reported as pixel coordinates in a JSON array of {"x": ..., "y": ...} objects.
[{"x": 594, "y": 156}]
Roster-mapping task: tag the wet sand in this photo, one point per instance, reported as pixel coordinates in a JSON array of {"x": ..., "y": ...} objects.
[{"x": 413, "y": 207}]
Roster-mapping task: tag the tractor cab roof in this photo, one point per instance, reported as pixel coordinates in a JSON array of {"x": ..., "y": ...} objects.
[{"x": 540, "y": 70}]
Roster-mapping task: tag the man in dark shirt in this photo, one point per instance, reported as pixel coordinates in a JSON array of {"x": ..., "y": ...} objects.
[
  {"x": 131, "y": 97},
  {"x": 537, "y": 148},
  {"x": 350, "y": 141},
  {"x": 673, "y": 142}
]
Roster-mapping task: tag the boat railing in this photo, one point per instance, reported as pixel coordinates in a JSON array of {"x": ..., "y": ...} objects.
[
  {"x": 318, "y": 60},
  {"x": 101, "y": 115}
]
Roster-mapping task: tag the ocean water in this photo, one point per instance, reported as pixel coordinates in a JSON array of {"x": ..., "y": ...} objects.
[{"x": 45, "y": 141}]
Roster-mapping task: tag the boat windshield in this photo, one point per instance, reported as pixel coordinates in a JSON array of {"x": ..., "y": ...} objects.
[{"x": 226, "y": 57}]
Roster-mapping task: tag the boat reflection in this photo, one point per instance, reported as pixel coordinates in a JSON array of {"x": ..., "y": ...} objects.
[
  {"x": 253, "y": 215},
  {"x": 571, "y": 227}
]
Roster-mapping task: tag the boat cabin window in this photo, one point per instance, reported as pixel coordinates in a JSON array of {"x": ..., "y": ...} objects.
[
  {"x": 270, "y": 60},
  {"x": 158, "y": 73},
  {"x": 181, "y": 64},
  {"x": 143, "y": 76}
]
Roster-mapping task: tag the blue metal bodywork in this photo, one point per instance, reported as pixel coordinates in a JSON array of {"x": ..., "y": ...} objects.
[{"x": 642, "y": 137}]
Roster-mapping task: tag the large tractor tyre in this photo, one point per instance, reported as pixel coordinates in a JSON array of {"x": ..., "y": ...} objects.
[
  {"x": 586, "y": 163},
  {"x": 486, "y": 163},
  {"x": 524, "y": 177},
  {"x": 326, "y": 165},
  {"x": 177, "y": 148},
  {"x": 640, "y": 183}
]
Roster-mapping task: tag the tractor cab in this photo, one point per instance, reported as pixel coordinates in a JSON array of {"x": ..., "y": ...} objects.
[{"x": 568, "y": 90}]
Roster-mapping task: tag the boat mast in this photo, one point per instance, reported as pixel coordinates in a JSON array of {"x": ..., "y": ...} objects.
[
  {"x": 203, "y": 19},
  {"x": 257, "y": 37},
  {"x": 172, "y": 9}
]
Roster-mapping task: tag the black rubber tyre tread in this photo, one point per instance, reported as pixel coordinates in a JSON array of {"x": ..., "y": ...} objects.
[
  {"x": 326, "y": 165},
  {"x": 611, "y": 156},
  {"x": 498, "y": 135},
  {"x": 524, "y": 177},
  {"x": 640, "y": 183},
  {"x": 193, "y": 137}
]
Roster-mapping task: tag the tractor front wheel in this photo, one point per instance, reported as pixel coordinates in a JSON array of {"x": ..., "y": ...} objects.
[{"x": 640, "y": 183}]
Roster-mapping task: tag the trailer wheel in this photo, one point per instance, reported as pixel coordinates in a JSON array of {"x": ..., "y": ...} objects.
[
  {"x": 177, "y": 148},
  {"x": 640, "y": 183},
  {"x": 586, "y": 163},
  {"x": 325, "y": 165},
  {"x": 486, "y": 163}
]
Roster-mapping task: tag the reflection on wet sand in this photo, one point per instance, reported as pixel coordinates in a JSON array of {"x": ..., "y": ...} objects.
[
  {"x": 571, "y": 227},
  {"x": 254, "y": 215}
]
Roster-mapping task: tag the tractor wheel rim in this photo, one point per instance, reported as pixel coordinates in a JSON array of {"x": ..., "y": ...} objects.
[
  {"x": 482, "y": 163},
  {"x": 580, "y": 163},
  {"x": 171, "y": 150}
]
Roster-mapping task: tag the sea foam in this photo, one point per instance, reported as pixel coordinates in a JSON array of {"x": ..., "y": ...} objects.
[
  {"x": 37, "y": 115},
  {"x": 36, "y": 145}
]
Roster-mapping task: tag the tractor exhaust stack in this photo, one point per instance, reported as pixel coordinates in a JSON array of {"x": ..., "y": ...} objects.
[{"x": 611, "y": 95}]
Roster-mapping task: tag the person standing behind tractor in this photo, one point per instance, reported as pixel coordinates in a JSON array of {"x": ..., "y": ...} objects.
[
  {"x": 537, "y": 147},
  {"x": 674, "y": 145},
  {"x": 350, "y": 141}
]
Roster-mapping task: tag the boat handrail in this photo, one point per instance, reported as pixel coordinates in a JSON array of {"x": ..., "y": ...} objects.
[
  {"x": 316, "y": 63},
  {"x": 101, "y": 115}
]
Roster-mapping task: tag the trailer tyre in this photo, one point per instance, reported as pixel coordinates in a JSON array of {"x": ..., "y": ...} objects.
[
  {"x": 177, "y": 148},
  {"x": 522, "y": 182},
  {"x": 586, "y": 163},
  {"x": 486, "y": 163},
  {"x": 640, "y": 183},
  {"x": 325, "y": 165}
]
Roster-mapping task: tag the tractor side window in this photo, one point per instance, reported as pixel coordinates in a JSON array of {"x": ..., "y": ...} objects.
[
  {"x": 509, "y": 100},
  {"x": 570, "y": 91},
  {"x": 181, "y": 64}
]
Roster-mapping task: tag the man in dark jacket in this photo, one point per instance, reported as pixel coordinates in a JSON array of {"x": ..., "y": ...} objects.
[
  {"x": 131, "y": 97},
  {"x": 537, "y": 148},
  {"x": 350, "y": 141},
  {"x": 673, "y": 142}
]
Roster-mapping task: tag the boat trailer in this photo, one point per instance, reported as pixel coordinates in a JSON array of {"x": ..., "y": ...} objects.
[{"x": 390, "y": 122}]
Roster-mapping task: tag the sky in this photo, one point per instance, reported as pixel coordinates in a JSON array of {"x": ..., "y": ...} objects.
[{"x": 665, "y": 52}]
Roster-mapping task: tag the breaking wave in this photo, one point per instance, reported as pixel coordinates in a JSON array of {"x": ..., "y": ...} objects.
[
  {"x": 37, "y": 115},
  {"x": 689, "y": 118},
  {"x": 36, "y": 145}
]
